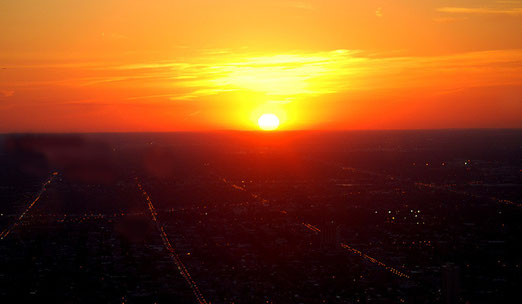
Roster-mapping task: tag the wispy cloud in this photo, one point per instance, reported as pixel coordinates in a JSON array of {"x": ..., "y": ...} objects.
[
  {"x": 378, "y": 12},
  {"x": 291, "y": 76},
  {"x": 192, "y": 114},
  {"x": 514, "y": 11},
  {"x": 6, "y": 93}
]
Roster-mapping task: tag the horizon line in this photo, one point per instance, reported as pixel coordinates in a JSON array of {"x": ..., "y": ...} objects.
[{"x": 258, "y": 131}]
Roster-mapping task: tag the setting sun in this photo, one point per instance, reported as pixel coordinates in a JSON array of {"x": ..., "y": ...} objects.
[{"x": 268, "y": 122}]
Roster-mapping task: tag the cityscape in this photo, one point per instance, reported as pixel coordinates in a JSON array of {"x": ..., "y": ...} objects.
[{"x": 249, "y": 217}]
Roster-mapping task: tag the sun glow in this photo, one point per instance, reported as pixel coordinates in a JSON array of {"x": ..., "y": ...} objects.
[
  {"x": 281, "y": 76},
  {"x": 268, "y": 122}
]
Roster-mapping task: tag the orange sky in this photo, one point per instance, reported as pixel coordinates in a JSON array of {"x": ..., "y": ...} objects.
[{"x": 165, "y": 65}]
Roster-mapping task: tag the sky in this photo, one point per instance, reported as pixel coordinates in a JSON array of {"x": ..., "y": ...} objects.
[{"x": 200, "y": 65}]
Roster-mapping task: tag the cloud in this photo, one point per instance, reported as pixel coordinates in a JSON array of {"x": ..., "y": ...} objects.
[
  {"x": 378, "y": 12},
  {"x": 296, "y": 75},
  {"x": 192, "y": 114},
  {"x": 282, "y": 77},
  {"x": 515, "y": 11},
  {"x": 6, "y": 93}
]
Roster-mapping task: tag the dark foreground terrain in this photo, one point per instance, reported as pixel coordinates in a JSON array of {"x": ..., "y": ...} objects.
[{"x": 237, "y": 217}]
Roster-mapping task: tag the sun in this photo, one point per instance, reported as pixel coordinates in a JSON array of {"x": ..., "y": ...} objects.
[{"x": 268, "y": 122}]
